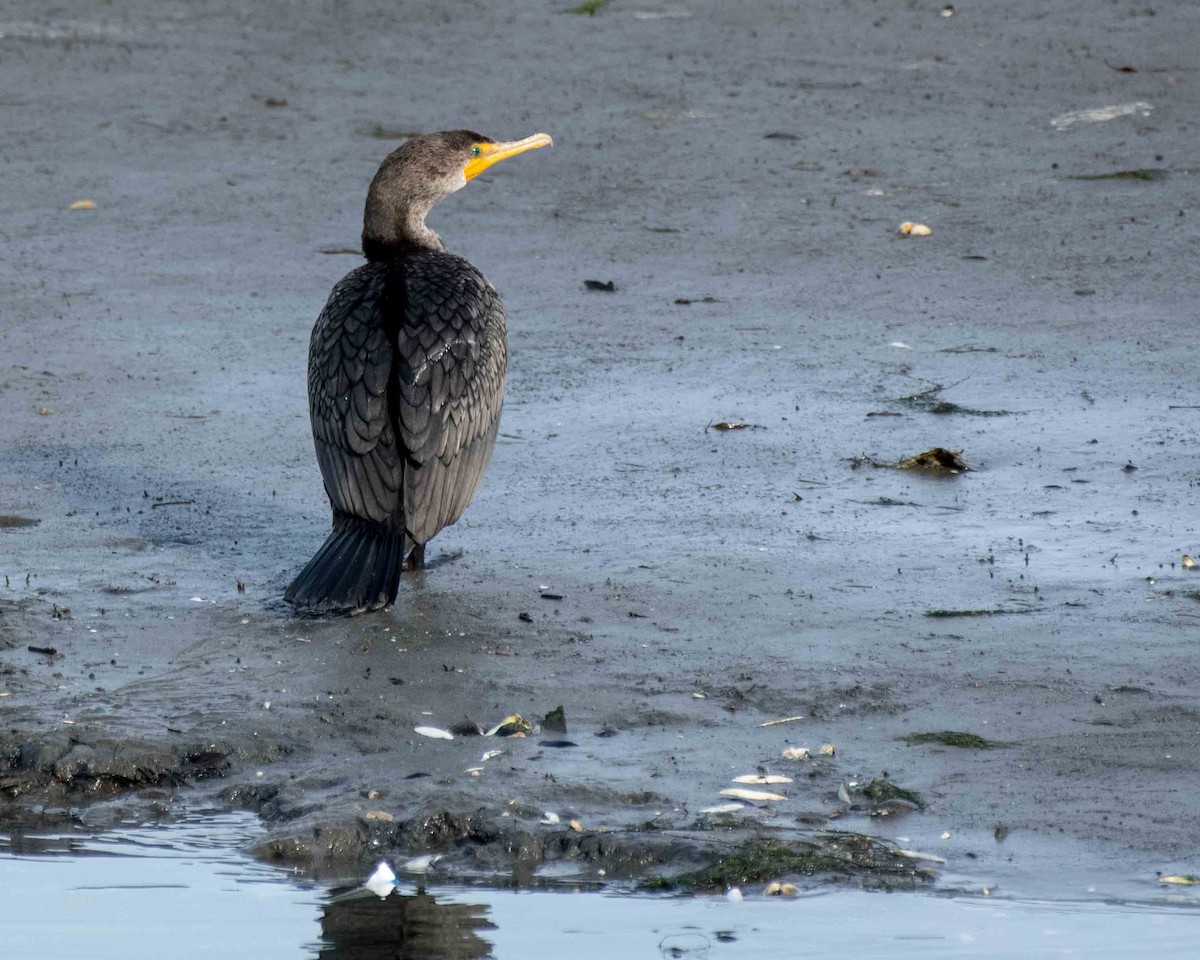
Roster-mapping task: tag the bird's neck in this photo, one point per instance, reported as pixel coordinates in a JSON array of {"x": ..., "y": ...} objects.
[{"x": 403, "y": 232}]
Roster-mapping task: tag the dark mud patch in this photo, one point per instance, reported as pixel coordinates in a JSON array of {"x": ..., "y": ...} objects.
[
  {"x": 63, "y": 768},
  {"x": 952, "y": 738},
  {"x": 847, "y": 856},
  {"x": 9, "y": 522},
  {"x": 472, "y": 844}
]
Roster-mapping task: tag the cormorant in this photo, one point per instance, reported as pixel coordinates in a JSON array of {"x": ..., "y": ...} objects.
[{"x": 405, "y": 379}]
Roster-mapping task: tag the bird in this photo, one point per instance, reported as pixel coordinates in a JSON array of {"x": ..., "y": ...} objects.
[{"x": 406, "y": 372}]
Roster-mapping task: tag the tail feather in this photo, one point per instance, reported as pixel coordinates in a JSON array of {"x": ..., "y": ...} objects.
[{"x": 356, "y": 569}]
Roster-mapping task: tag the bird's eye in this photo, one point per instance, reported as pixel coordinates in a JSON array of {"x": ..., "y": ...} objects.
[{"x": 475, "y": 152}]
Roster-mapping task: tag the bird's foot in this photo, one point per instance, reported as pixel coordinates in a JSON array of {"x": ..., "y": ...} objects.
[{"x": 415, "y": 559}]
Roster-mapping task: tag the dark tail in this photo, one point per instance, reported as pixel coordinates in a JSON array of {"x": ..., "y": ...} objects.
[{"x": 356, "y": 569}]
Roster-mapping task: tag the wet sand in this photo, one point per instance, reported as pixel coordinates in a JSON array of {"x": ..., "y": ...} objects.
[{"x": 152, "y": 357}]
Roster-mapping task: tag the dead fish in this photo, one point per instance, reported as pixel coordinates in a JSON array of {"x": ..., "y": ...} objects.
[
  {"x": 755, "y": 796},
  {"x": 917, "y": 855},
  {"x": 434, "y": 733},
  {"x": 725, "y": 808}
]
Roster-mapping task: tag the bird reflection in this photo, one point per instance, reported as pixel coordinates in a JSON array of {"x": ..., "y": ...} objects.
[{"x": 403, "y": 927}]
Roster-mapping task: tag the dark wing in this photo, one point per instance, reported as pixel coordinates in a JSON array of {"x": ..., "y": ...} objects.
[
  {"x": 452, "y": 360},
  {"x": 349, "y": 362}
]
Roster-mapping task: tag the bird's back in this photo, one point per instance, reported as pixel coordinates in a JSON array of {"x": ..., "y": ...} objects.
[{"x": 406, "y": 379}]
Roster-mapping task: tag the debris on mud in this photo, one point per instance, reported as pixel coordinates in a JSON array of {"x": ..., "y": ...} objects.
[
  {"x": 434, "y": 733},
  {"x": 1102, "y": 114},
  {"x": 951, "y": 738},
  {"x": 1183, "y": 879},
  {"x": 984, "y": 612},
  {"x": 589, "y": 8},
  {"x": 910, "y": 229},
  {"x": 11, "y": 522},
  {"x": 928, "y": 401},
  {"x": 83, "y": 205},
  {"x": 883, "y": 793},
  {"x": 1145, "y": 174},
  {"x": 733, "y": 425},
  {"x": 555, "y": 721},
  {"x": 514, "y": 725},
  {"x": 850, "y": 855},
  {"x": 935, "y": 460},
  {"x": 775, "y": 723},
  {"x": 604, "y": 286}
]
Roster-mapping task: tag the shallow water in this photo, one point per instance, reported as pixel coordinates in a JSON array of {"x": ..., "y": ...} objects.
[{"x": 188, "y": 892}]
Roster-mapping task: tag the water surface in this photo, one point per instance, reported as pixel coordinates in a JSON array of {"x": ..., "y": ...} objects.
[{"x": 188, "y": 891}]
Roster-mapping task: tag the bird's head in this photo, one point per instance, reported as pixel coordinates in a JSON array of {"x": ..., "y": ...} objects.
[{"x": 421, "y": 172}]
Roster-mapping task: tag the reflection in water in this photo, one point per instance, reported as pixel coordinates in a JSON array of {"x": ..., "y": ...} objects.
[{"x": 361, "y": 926}]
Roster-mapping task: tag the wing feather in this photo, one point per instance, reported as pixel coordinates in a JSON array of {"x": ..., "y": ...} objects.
[
  {"x": 450, "y": 381},
  {"x": 350, "y": 360}
]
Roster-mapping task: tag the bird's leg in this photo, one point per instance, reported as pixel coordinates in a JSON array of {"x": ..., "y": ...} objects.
[{"x": 415, "y": 559}]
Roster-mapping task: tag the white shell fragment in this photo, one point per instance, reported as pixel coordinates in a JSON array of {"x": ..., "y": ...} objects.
[
  {"x": 910, "y": 229},
  {"x": 550, "y": 819},
  {"x": 917, "y": 855},
  {"x": 761, "y": 778},
  {"x": 795, "y": 753},
  {"x": 733, "y": 895},
  {"x": 725, "y": 808},
  {"x": 382, "y": 881},
  {"x": 420, "y": 864},
  {"x": 777, "y": 889},
  {"x": 434, "y": 733},
  {"x": 1188, "y": 562},
  {"x": 826, "y": 750},
  {"x": 755, "y": 796},
  {"x": 772, "y": 723},
  {"x": 1101, "y": 114},
  {"x": 491, "y": 755},
  {"x": 83, "y": 205}
]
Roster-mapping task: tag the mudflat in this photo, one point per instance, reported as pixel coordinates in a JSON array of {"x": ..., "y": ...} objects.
[{"x": 1011, "y": 647}]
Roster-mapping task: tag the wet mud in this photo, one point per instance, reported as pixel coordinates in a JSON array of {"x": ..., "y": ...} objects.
[{"x": 674, "y": 587}]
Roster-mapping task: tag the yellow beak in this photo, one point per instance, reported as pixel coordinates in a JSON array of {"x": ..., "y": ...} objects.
[{"x": 490, "y": 153}]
